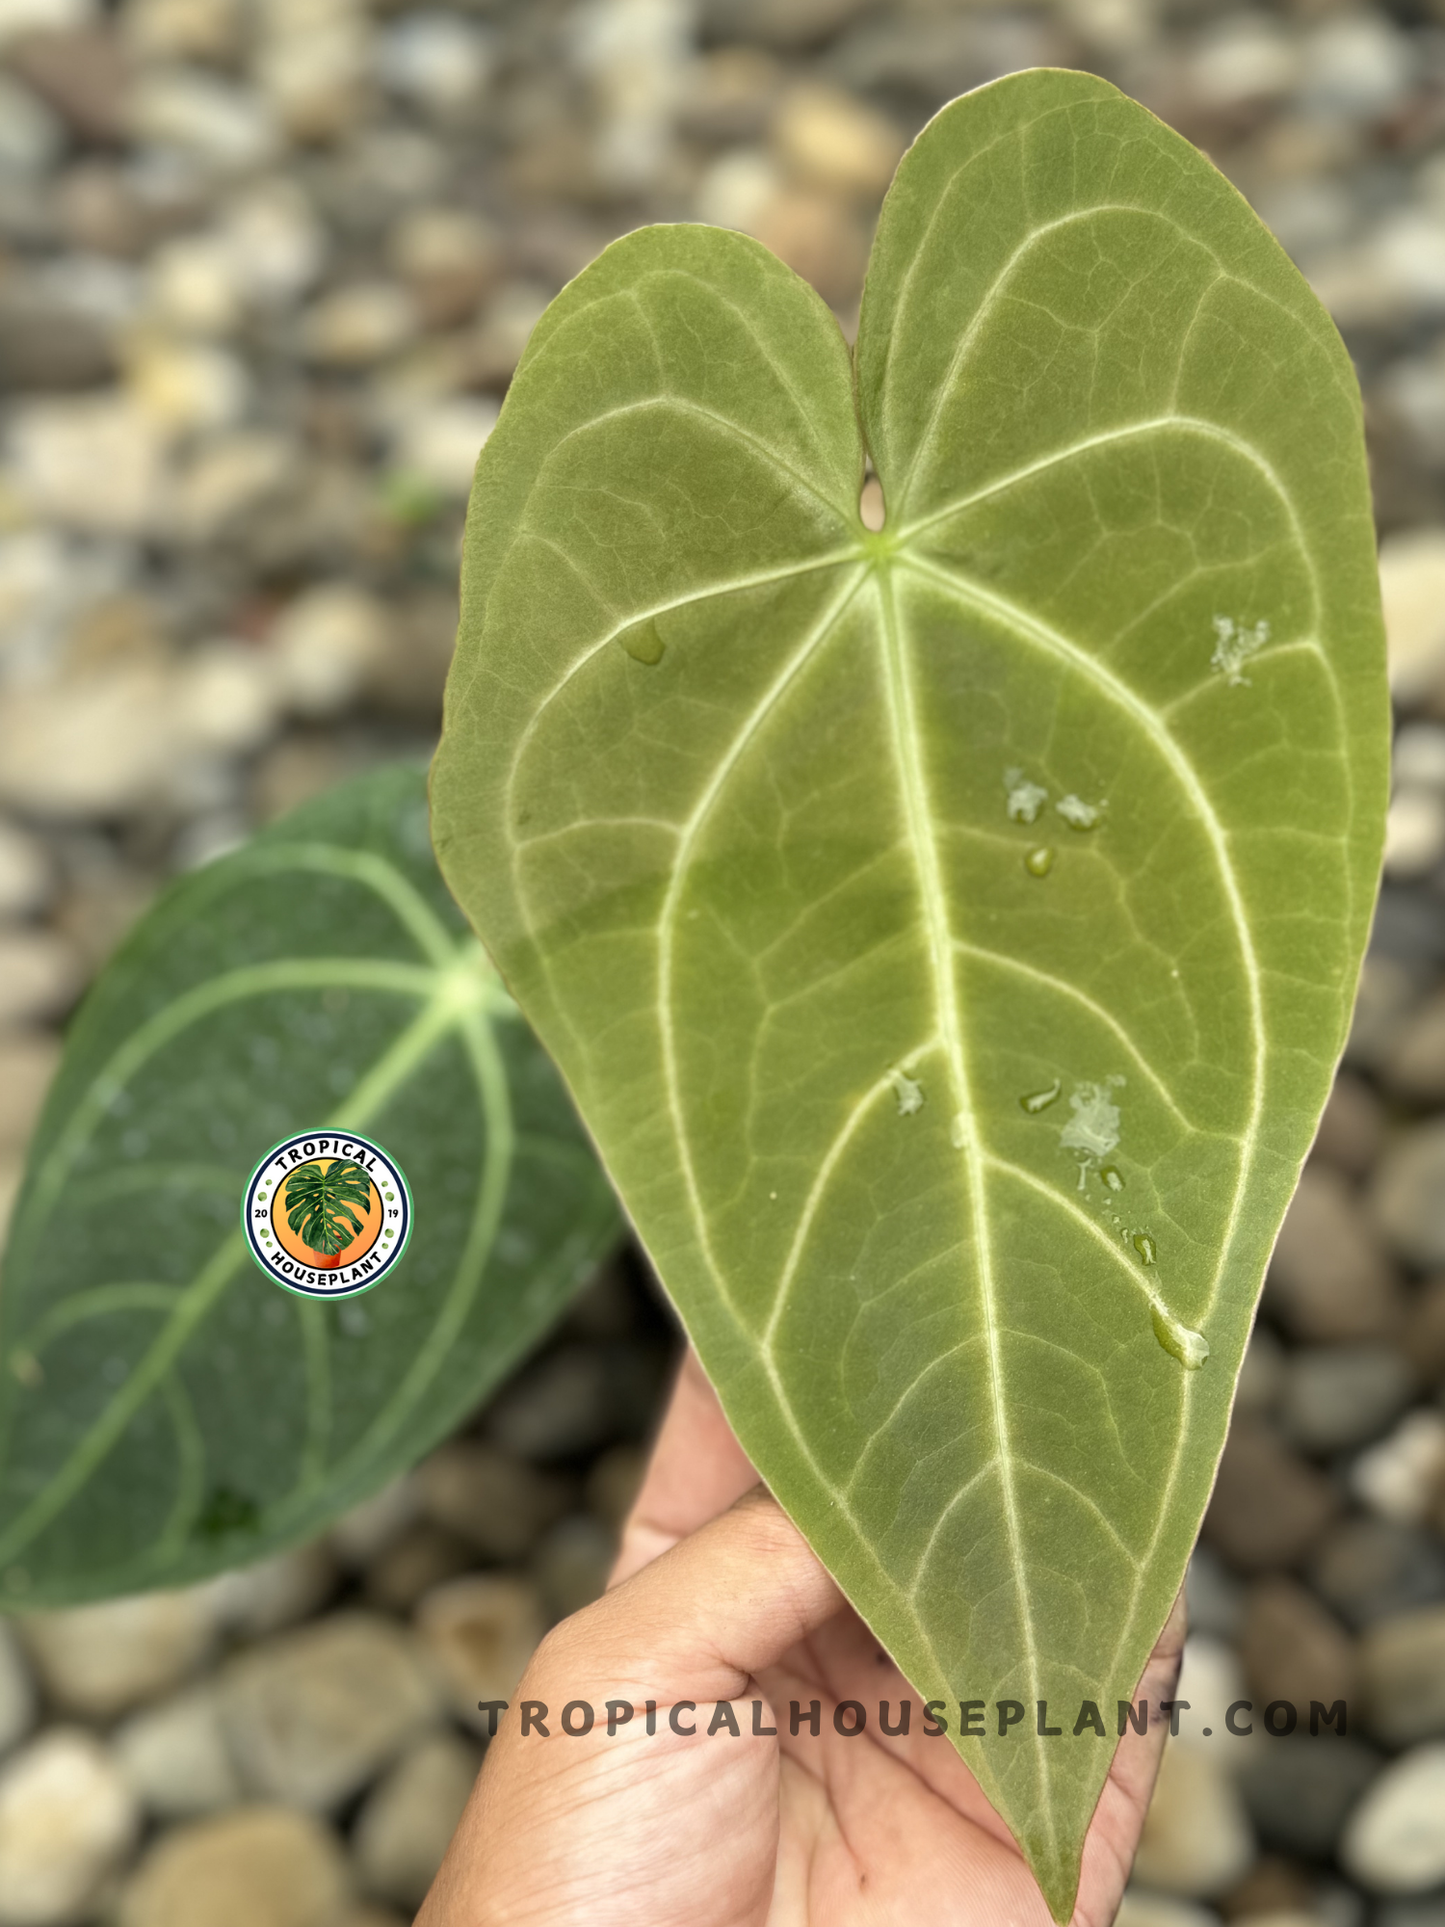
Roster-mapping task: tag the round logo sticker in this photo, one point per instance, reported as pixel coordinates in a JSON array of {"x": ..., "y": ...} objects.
[{"x": 326, "y": 1215}]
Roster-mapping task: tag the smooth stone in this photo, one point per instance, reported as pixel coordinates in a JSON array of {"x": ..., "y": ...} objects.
[
  {"x": 1138, "y": 1909},
  {"x": 256, "y": 1867},
  {"x": 160, "y": 30},
  {"x": 1197, "y": 1839},
  {"x": 409, "y": 1817},
  {"x": 1411, "y": 1913},
  {"x": 1403, "y": 1667},
  {"x": 1268, "y": 1505},
  {"x": 1394, "y": 1842},
  {"x": 225, "y": 699},
  {"x": 1293, "y": 1649},
  {"x": 1370, "y": 1569},
  {"x": 100, "y": 1660},
  {"x": 1358, "y": 66},
  {"x": 28, "y": 1061},
  {"x": 1392, "y": 988},
  {"x": 228, "y": 478},
  {"x": 481, "y": 1633},
  {"x": 1213, "y": 1596},
  {"x": 368, "y": 1529},
  {"x": 31, "y": 136},
  {"x": 1408, "y": 1195},
  {"x": 48, "y": 342},
  {"x": 40, "y": 16},
  {"x": 439, "y": 61},
  {"x": 96, "y": 464},
  {"x": 1415, "y": 1066},
  {"x": 312, "y": 1716},
  {"x": 40, "y": 976},
  {"x": 424, "y": 1556},
  {"x": 1341, "y": 1396},
  {"x": 1402, "y": 1478},
  {"x": 438, "y": 442},
  {"x": 1300, "y": 1789},
  {"x": 1414, "y": 834},
  {"x": 175, "y": 1756},
  {"x": 1211, "y": 1679},
  {"x": 1424, "y": 1340},
  {"x": 1330, "y": 1279},
  {"x": 573, "y": 1400},
  {"x": 499, "y": 1504},
  {"x": 323, "y": 646},
  {"x": 17, "y": 1690},
  {"x": 1262, "y": 1373},
  {"x": 448, "y": 258},
  {"x": 827, "y": 137},
  {"x": 226, "y": 127},
  {"x": 67, "y": 1820},
  {"x": 356, "y": 327},
  {"x": 253, "y": 1601},
  {"x": 572, "y": 1563},
  {"x": 26, "y": 877}
]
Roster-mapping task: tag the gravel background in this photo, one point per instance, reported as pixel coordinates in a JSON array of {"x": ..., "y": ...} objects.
[{"x": 265, "y": 269}]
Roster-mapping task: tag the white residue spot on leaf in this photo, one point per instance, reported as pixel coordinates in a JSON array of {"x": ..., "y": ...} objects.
[
  {"x": 908, "y": 1092},
  {"x": 1025, "y": 799},
  {"x": 1234, "y": 644},
  {"x": 958, "y": 1132},
  {"x": 1078, "y": 814},
  {"x": 1092, "y": 1129}
]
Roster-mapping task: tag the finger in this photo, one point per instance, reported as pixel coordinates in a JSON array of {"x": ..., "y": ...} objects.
[
  {"x": 697, "y": 1471},
  {"x": 699, "y": 1621}
]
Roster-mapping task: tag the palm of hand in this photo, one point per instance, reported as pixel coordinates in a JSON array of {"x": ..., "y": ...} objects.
[{"x": 752, "y": 1831}]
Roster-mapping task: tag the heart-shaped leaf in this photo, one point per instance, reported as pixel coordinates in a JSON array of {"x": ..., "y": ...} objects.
[
  {"x": 948, "y": 932},
  {"x": 165, "y": 1410}
]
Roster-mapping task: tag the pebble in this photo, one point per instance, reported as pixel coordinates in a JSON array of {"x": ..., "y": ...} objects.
[
  {"x": 94, "y": 748},
  {"x": 828, "y": 138},
  {"x": 67, "y": 1820},
  {"x": 1424, "y": 1340},
  {"x": 26, "y": 877},
  {"x": 365, "y": 1532},
  {"x": 257, "y": 1867},
  {"x": 225, "y": 699},
  {"x": 324, "y": 645},
  {"x": 357, "y": 326},
  {"x": 1415, "y": 1066},
  {"x": 1268, "y": 1506},
  {"x": 1214, "y": 1596},
  {"x": 40, "y": 976},
  {"x": 1339, "y": 1396},
  {"x": 1197, "y": 1839},
  {"x": 1153, "y": 1910},
  {"x": 448, "y": 258},
  {"x": 1373, "y": 1568},
  {"x": 175, "y": 1756},
  {"x": 1414, "y": 833},
  {"x": 423, "y": 1556},
  {"x": 481, "y": 1632},
  {"x": 39, "y": 16},
  {"x": 1403, "y": 1667},
  {"x": 252, "y": 1601},
  {"x": 1402, "y": 1478},
  {"x": 1352, "y": 1128},
  {"x": 99, "y": 1660},
  {"x": 440, "y": 61},
  {"x": 1412, "y": 589},
  {"x": 1211, "y": 1679},
  {"x": 17, "y": 1691},
  {"x": 312, "y": 1716},
  {"x": 1262, "y": 1373},
  {"x": 566, "y": 1402},
  {"x": 1329, "y": 1278},
  {"x": 216, "y": 122},
  {"x": 1298, "y": 1790},
  {"x": 407, "y": 1822},
  {"x": 1293, "y": 1649},
  {"x": 1394, "y": 1842},
  {"x": 498, "y": 1503},
  {"x": 1408, "y": 1194},
  {"x": 438, "y": 443},
  {"x": 572, "y": 1563},
  {"x": 614, "y": 1482},
  {"x": 91, "y": 463}
]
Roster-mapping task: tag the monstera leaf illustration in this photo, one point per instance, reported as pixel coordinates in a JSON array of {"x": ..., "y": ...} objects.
[{"x": 318, "y": 1204}]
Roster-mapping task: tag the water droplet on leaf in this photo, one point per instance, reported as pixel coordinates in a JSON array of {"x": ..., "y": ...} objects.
[
  {"x": 1035, "y": 1101},
  {"x": 1191, "y": 1348},
  {"x": 644, "y": 643},
  {"x": 1113, "y": 1177},
  {"x": 1039, "y": 862},
  {"x": 1146, "y": 1247}
]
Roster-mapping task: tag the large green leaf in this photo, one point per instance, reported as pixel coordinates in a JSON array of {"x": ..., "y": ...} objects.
[
  {"x": 165, "y": 1410},
  {"x": 948, "y": 933}
]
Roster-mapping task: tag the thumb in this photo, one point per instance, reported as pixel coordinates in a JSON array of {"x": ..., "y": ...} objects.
[{"x": 702, "y": 1619}]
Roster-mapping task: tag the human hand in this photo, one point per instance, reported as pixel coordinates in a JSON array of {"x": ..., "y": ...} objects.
[{"x": 716, "y": 1598}]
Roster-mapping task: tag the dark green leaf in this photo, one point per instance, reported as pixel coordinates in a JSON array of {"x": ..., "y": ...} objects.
[{"x": 165, "y": 1410}]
